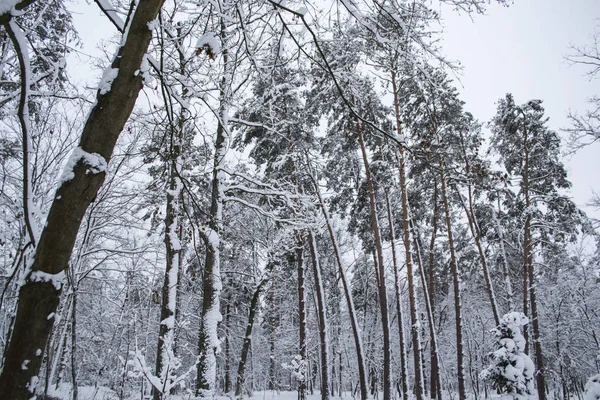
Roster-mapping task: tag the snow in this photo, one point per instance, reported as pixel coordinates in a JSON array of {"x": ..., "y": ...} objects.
[
  {"x": 211, "y": 41},
  {"x": 94, "y": 161},
  {"x": 107, "y": 79},
  {"x": 56, "y": 279},
  {"x": 510, "y": 367},
  {"x": 7, "y": 5},
  {"x": 592, "y": 388}
]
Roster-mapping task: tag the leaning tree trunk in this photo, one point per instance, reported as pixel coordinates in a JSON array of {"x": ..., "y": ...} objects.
[
  {"x": 40, "y": 294},
  {"x": 381, "y": 289},
  {"x": 347, "y": 293},
  {"x": 322, "y": 313},
  {"x": 476, "y": 233},
  {"x": 462, "y": 393},
  {"x": 241, "y": 369},
  {"x": 416, "y": 340}
]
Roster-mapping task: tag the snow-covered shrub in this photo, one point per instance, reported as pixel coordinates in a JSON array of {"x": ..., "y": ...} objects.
[
  {"x": 592, "y": 388},
  {"x": 511, "y": 371}
]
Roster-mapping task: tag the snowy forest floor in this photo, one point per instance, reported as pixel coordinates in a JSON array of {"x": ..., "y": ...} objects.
[{"x": 104, "y": 393}]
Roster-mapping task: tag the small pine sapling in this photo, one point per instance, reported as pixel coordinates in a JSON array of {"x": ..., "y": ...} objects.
[{"x": 511, "y": 371}]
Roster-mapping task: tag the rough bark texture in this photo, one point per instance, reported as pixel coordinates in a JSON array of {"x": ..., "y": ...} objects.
[{"x": 39, "y": 297}]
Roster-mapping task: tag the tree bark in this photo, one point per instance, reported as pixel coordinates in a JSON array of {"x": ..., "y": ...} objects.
[
  {"x": 208, "y": 341},
  {"x": 322, "y": 314},
  {"x": 403, "y": 374},
  {"x": 40, "y": 295},
  {"x": 241, "y": 369},
  {"x": 381, "y": 289},
  {"x": 414, "y": 329},
  {"x": 166, "y": 333},
  {"x": 348, "y": 295},
  {"x": 302, "y": 350},
  {"x": 529, "y": 278},
  {"x": 462, "y": 394}
]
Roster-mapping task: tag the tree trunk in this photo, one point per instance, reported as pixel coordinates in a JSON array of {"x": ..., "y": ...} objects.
[
  {"x": 348, "y": 295},
  {"x": 40, "y": 295},
  {"x": 322, "y": 314},
  {"x": 241, "y": 369},
  {"x": 166, "y": 332},
  {"x": 381, "y": 289},
  {"x": 302, "y": 350},
  {"x": 227, "y": 387},
  {"x": 505, "y": 270},
  {"x": 529, "y": 278},
  {"x": 416, "y": 340},
  {"x": 208, "y": 340},
  {"x": 476, "y": 233},
  {"x": 462, "y": 394},
  {"x": 403, "y": 374},
  {"x": 435, "y": 381},
  {"x": 436, "y": 390}
]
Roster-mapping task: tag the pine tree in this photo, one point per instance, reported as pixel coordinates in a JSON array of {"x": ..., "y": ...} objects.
[{"x": 511, "y": 371}]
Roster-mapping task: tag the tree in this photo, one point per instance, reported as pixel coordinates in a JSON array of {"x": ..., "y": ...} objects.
[
  {"x": 585, "y": 128},
  {"x": 511, "y": 370},
  {"x": 40, "y": 294},
  {"x": 530, "y": 151}
]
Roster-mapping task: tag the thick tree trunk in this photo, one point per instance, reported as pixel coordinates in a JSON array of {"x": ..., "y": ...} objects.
[
  {"x": 416, "y": 340},
  {"x": 462, "y": 393},
  {"x": 271, "y": 321},
  {"x": 381, "y": 288},
  {"x": 322, "y": 314},
  {"x": 39, "y": 296}
]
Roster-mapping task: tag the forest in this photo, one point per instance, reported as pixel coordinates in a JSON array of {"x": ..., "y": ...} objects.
[{"x": 278, "y": 199}]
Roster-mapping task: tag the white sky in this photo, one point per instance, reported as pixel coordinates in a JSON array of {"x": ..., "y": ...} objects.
[{"x": 520, "y": 49}]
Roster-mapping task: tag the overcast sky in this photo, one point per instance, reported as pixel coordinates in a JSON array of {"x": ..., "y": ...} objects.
[{"x": 520, "y": 49}]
